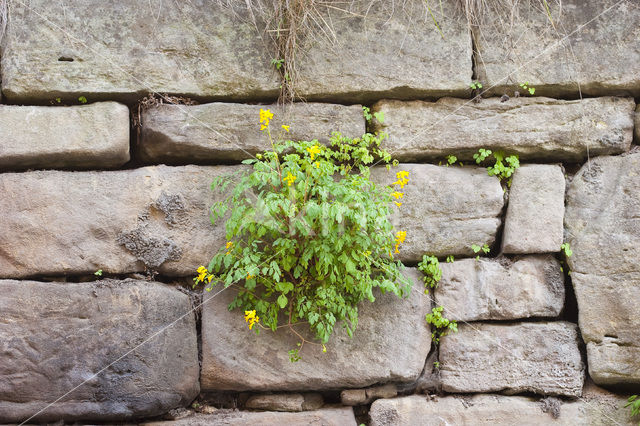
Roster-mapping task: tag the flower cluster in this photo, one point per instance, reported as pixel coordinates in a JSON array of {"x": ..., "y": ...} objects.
[
  {"x": 251, "y": 318},
  {"x": 289, "y": 179},
  {"x": 403, "y": 179},
  {"x": 400, "y": 237},
  {"x": 203, "y": 274},
  {"x": 265, "y": 116}
]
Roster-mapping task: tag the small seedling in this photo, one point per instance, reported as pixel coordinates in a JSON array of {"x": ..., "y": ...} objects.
[
  {"x": 481, "y": 155},
  {"x": 450, "y": 258},
  {"x": 451, "y": 159},
  {"x": 526, "y": 86},
  {"x": 475, "y": 85},
  {"x": 82, "y": 100},
  {"x": 436, "y": 364},
  {"x": 278, "y": 63},
  {"x": 98, "y": 273},
  {"x": 566, "y": 249},
  {"x": 476, "y": 249}
]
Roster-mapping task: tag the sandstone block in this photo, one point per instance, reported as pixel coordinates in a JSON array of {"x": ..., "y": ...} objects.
[
  {"x": 390, "y": 343},
  {"x": 87, "y": 136},
  {"x": 445, "y": 209},
  {"x": 57, "y": 336},
  {"x": 224, "y": 132},
  {"x": 534, "y": 128},
  {"x": 285, "y": 402},
  {"x": 602, "y": 228},
  {"x": 342, "y": 416},
  {"x": 592, "y": 47},
  {"x": 472, "y": 290},
  {"x": 125, "y": 221},
  {"x": 363, "y": 51},
  {"x": 534, "y": 220},
  {"x": 541, "y": 357},
  {"x": 122, "y": 50}
]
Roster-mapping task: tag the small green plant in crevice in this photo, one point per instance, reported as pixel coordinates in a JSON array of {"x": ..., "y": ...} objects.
[
  {"x": 504, "y": 165},
  {"x": 379, "y": 115},
  {"x": 277, "y": 63},
  {"x": 442, "y": 326},
  {"x": 98, "y": 273},
  {"x": 526, "y": 86},
  {"x": 634, "y": 404},
  {"x": 450, "y": 258},
  {"x": 477, "y": 249},
  {"x": 430, "y": 267},
  {"x": 82, "y": 100},
  {"x": 451, "y": 159},
  {"x": 566, "y": 249},
  {"x": 475, "y": 85}
]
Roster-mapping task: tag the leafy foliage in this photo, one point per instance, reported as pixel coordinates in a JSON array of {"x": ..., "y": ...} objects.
[
  {"x": 308, "y": 234},
  {"x": 499, "y": 169},
  {"x": 430, "y": 267},
  {"x": 442, "y": 326},
  {"x": 477, "y": 249},
  {"x": 566, "y": 249},
  {"x": 634, "y": 403},
  {"x": 526, "y": 86},
  {"x": 475, "y": 85}
]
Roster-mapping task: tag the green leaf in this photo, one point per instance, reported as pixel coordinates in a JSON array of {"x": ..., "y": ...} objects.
[{"x": 282, "y": 301}]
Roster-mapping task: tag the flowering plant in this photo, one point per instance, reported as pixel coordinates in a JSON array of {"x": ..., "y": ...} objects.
[{"x": 309, "y": 235}]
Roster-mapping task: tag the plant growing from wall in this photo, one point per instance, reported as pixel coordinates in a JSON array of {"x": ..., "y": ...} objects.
[
  {"x": 430, "y": 267},
  {"x": 308, "y": 235},
  {"x": 634, "y": 404},
  {"x": 503, "y": 166}
]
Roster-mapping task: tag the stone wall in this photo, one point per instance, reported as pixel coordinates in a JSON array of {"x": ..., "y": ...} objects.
[{"x": 112, "y": 186}]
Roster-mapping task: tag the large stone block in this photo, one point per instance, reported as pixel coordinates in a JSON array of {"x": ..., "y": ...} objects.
[
  {"x": 365, "y": 51},
  {"x": 602, "y": 227},
  {"x": 224, "y": 132},
  {"x": 540, "y": 357},
  {"x": 340, "y": 416},
  {"x": 534, "y": 128},
  {"x": 588, "y": 46},
  {"x": 445, "y": 209},
  {"x": 534, "y": 220},
  {"x": 472, "y": 290},
  {"x": 110, "y": 350},
  {"x": 123, "y": 50},
  {"x": 87, "y": 136},
  {"x": 119, "y": 221},
  {"x": 487, "y": 410},
  {"x": 390, "y": 344}
]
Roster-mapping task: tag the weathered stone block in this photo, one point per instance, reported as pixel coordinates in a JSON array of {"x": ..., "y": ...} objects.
[
  {"x": 592, "y": 47},
  {"x": 223, "y": 132},
  {"x": 602, "y": 228},
  {"x": 285, "y": 402},
  {"x": 119, "y": 221},
  {"x": 86, "y": 136},
  {"x": 637, "y": 125},
  {"x": 472, "y": 290},
  {"x": 540, "y": 357},
  {"x": 444, "y": 209},
  {"x": 131, "y": 345},
  {"x": 535, "y": 213},
  {"x": 473, "y": 410},
  {"x": 122, "y": 50},
  {"x": 534, "y": 128},
  {"x": 390, "y": 343},
  {"x": 367, "y": 50},
  {"x": 342, "y": 416}
]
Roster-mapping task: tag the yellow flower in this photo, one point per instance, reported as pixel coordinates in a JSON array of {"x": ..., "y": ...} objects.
[
  {"x": 402, "y": 178},
  {"x": 209, "y": 278},
  {"x": 264, "y": 126},
  {"x": 249, "y": 276},
  {"x": 251, "y": 318},
  {"x": 229, "y": 245},
  {"x": 402, "y": 174},
  {"x": 397, "y": 195},
  {"x": 289, "y": 179},
  {"x": 265, "y": 115},
  {"x": 317, "y": 165},
  {"x": 286, "y": 128},
  {"x": 202, "y": 269},
  {"x": 313, "y": 151},
  {"x": 400, "y": 236},
  {"x": 402, "y": 183},
  {"x": 397, "y": 203}
]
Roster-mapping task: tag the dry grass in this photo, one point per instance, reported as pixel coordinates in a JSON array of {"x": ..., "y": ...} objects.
[{"x": 156, "y": 99}]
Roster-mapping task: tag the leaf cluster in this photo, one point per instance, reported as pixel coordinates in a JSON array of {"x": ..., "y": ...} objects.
[
  {"x": 442, "y": 326},
  {"x": 308, "y": 234},
  {"x": 504, "y": 166}
]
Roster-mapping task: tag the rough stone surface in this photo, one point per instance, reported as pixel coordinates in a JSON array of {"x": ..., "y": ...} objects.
[
  {"x": 224, "y": 132},
  {"x": 602, "y": 227},
  {"x": 285, "y": 402},
  {"x": 390, "y": 343},
  {"x": 534, "y": 220},
  {"x": 471, "y": 410},
  {"x": 119, "y": 221},
  {"x": 339, "y": 416},
  {"x": 534, "y": 128},
  {"x": 365, "y": 396},
  {"x": 593, "y": 46},
  {"x": 637, "y": 125},
  {"x": 367, "y": 50},
  {"x": 56, "y": 336},
  {"x": 122, "y": 50},
  {"x": 86, "y": 136},
  {"x": 353, "y": 397},
  {"x": 445, "y": 209},
  {"x": 538, "y": 357},
  {"x": 472, "y": 290}
]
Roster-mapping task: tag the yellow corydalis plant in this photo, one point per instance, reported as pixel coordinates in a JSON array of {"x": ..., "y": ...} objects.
[{"x": 251, "y": 318}]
